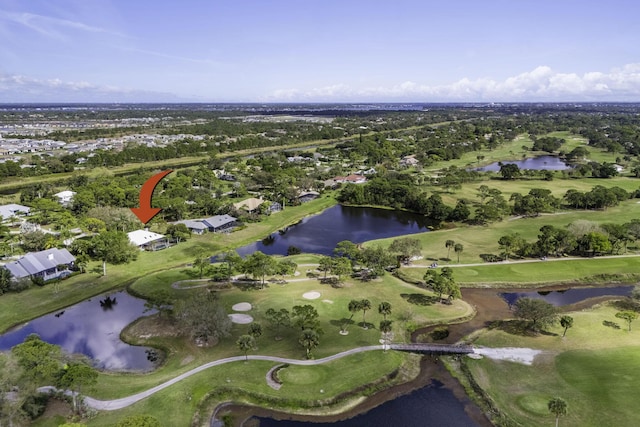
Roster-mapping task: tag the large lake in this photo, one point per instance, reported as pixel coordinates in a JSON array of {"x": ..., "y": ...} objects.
[
  {"x": 319, "y": 234},
  {"x": 92, "y": 329},
  {"x": 534, "y": 163}
]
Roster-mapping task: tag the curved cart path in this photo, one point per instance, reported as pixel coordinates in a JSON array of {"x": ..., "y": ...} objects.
[{"x": 112, "y": 405}]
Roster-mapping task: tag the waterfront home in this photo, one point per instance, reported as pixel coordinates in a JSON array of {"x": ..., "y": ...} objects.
[
  {"x": 195, "y": 226},
  {"x": 308, "y": 196},
  {"x": 220, "y": 223},
  {"x": 148, "y": 240},
  {"x": 48, "y": 264},
  {"x": 251, "y": 205}
]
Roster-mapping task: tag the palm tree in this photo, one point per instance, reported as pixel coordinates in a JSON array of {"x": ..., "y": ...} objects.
[
  {"x": 365, "y": 305},
  {"x": 309, "y": 339},
  {"x": 449, "y": 244},
  {"x": 458, "y": 248},
  {"x": 246, "y": 343},
  {"x": 566, "y": 322},
  {"x": 385, "y": 309},
  {"x": 354, "y": 307},
  {"x": 557, "y": 406},
  {"x": 385, "y": 326}
]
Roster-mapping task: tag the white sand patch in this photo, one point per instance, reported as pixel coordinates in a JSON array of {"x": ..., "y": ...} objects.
[
  {"x": 311, "y": 295},
  {"x": 328, "y": 301},
  {"x": 241, "y": 306},
  {"x": 242, "y": 319},
  {"x": 512, "y": 354}
]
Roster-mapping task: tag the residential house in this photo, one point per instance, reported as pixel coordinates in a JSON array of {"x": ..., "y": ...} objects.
[
  {"x": 13, "y": 210},
  {"x": 308, "y": 196},
  {"x": 220, "y": 223},
  {"x": 409, "y": 161},
  {"x": 48, "y": 264},
  {"x": 251, "y": 205},
  {"x": 147, "y": 240},
  {"x": 351, "y": 179},
  {"x": 65, "y": 197},
  {"x": 195, "y": 226}
]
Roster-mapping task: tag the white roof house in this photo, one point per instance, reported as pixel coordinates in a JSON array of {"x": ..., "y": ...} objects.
[
  {"x": 65, "y": 197},
  {"x": 145, "y": 239}
]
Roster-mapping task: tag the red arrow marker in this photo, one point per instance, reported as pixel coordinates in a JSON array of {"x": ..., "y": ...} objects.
[{"x": 145, "y": 212}]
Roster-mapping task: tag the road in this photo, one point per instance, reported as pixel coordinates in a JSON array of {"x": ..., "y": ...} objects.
[{"x": 115, "y": 404}]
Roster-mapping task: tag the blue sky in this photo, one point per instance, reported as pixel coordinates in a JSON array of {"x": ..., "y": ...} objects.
[{"x": 319, "y": 50}]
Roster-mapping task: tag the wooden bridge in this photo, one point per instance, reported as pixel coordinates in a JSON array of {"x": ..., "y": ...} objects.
[{"x": 429, "y": 348}]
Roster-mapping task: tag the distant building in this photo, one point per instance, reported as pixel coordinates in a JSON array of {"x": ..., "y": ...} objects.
[
  {"x": 13, "y": 210},
  {"x": 49, "y": 264},
  {"x": 409, "y": 161},
  {"x": 65, "y": 197},
  {"x": 148, "y": 240},
  {"x": 351, "y": 179}
]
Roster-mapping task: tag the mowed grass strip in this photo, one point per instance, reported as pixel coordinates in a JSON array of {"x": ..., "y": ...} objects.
[
  {"x": 550, "y": 271},
  {"x": 595, "y": 368}
]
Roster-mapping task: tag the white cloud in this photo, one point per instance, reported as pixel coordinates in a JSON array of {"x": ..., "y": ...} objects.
[
  {"x": 50, "y": 26},
  {"x": 539, "y": 84},
  {"x": 18, "y": 88}
]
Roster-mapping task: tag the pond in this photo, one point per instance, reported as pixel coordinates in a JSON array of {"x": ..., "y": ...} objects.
[
  {"x": 320, "y": 233},
  {"x": 567, "y": 296},
  {"x": 93, "y": 328},
  {"x": 534, "y": 163},
  {"x": 431, "y": 405}
]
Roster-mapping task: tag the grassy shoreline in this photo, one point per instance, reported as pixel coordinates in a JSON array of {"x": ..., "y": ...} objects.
[{"x": 18, "y": 308}]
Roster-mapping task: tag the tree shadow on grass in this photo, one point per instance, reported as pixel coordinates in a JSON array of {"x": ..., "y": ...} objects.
[
  {"x": 248, "y": 285},
  {"x": 420, "y": 299},
  {"x": 514, "y": 327},
  {"x": 626, "y": 304},
  {"x": 366, "y": 325},
  {"x": 342, "y": 323}
]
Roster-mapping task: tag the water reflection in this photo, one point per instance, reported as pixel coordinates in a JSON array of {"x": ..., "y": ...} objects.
[
  {"x": 535, "y": 163},
  {"x": 92, "y": 328},
  {"x": 568, "y": 296},
  {"x": 433, "y": 405},
  {"x": 320, "y": 233}
]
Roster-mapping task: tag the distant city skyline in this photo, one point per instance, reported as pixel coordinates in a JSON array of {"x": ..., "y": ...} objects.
[{"x": 319, "y": 51}]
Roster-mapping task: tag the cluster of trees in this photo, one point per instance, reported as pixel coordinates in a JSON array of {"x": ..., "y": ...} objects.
[
  {"x": 549, "y": 144},
  {"x": 442, "y": 283},
  {"x": 364, "y": 305},
  {"x": 582, "y": 238},
  {"x": 35, "y": 363},
  {"x": 458, "y": 248},
  {"x": 598, "y": 197},
  {"x": 302, "y": 317},
  {"x": 397, "y": 191}
]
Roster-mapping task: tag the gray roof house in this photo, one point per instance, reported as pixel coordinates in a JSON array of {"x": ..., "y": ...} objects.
[
  {"x": 8, "y": 211},
  {"x": 196, "y": 226},
  {"x": 42, "y": 264},
  {"x": 219, "y": 222}
]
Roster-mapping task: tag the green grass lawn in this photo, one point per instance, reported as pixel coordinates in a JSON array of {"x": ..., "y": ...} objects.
[
  {"x": 331, "y": 306},
  {"x": 16, "y": 308},
  {"x": 594, "y": 368},
  {"x": 510, "y": 274},
  {"x": 484, "y": 239}
]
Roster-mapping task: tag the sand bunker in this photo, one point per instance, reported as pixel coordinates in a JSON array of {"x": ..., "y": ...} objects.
[
  {"x": 512, "y": 354},
  {"x": 311, "y": 295},
  {"x": 241, "y": 306},
  {"x": 328, "y": 301},
  {"x": 241, "y": 318}
]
